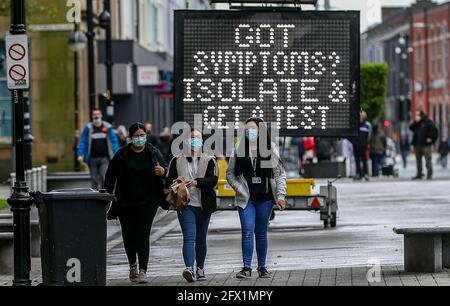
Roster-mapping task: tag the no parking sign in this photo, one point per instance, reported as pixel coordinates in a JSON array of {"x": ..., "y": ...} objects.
[{"x": 17, "y": 65}]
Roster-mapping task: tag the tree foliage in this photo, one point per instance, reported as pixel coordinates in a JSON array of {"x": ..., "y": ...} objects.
[
  {"x": 35, "y": 10},
  {"x": 374, "y": 78}
]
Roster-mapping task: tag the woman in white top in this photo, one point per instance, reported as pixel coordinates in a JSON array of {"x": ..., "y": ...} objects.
[{"x": 200, "y": 171}]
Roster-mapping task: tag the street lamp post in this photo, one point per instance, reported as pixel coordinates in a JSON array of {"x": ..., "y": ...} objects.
[
  {"x": 77, "y": 41},
  {"x": 91, "y": 55},
  {"x": 20, "y": 201},
  {"x": 105, "y": 23}
]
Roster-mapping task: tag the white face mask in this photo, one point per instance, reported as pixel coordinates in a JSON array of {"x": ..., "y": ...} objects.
[{"x": 97, "y": 121}]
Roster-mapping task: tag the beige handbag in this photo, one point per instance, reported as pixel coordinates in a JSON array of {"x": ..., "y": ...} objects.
[{"x": 178, "y": 196}]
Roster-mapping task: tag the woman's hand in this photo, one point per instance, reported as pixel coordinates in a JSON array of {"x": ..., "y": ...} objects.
[
  {"x": 159, "y": 171},
  {"x": 281, "y": 204},
  {"x": 191, "y": 183}
]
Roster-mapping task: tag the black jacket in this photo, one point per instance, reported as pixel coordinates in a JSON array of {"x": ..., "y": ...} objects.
[
  {"x": 423, "y": 130},
  {"x": 113, "y": 174},
  {"x": 206, "y": 184}
]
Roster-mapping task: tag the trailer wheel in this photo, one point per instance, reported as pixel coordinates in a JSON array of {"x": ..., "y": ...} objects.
[{"x": 333, "y": 220}]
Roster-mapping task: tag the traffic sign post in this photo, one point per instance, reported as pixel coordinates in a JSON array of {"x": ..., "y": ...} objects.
[
  {"x": 17, "y": 64},
  {"x": 18, "y": 78}
]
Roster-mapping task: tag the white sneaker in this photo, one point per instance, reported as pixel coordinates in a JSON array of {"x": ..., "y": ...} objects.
[{"x": 142, "y": 278}]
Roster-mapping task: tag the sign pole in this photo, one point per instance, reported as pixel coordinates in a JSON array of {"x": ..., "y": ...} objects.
[{"x": 20, "y": 200}]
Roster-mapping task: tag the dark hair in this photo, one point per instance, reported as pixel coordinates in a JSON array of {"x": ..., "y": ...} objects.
[
  {"x": 134, "y": 127},
  {"x": 241, "y": 160}
]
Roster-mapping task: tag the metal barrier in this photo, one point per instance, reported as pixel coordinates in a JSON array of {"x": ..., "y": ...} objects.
[{"x": 36, "y": 179}]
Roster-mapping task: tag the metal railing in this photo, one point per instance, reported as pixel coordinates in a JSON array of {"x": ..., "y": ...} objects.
[{"x": 36, "y": 179}]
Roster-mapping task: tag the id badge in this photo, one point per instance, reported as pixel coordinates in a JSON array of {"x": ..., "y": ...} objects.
[{"x": 256, "y": 180}]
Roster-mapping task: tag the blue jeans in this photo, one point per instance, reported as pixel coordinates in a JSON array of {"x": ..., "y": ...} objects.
[
  {"x": 255, "y": 223},
  {"x": 194, "y": 225},
  {"x": 377, "y": 160}
]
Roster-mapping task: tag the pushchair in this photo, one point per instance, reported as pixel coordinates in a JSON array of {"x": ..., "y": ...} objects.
[{"x": 389, "y": 161}]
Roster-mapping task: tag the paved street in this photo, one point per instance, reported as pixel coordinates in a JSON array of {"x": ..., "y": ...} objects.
[
  {"x": 367, "y": 213},
  {"x": 301, "y": 252}
]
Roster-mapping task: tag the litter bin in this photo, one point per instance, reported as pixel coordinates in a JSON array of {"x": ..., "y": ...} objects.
[{"x": 73, "y": 236}]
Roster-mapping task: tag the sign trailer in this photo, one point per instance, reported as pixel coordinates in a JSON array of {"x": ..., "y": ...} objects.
[{"x": 298, "y": 69}]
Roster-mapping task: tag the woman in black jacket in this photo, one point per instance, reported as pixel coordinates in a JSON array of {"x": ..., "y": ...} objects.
[
  {"x": 135, "y": 174},
  {"x": 200, "y": 171}
]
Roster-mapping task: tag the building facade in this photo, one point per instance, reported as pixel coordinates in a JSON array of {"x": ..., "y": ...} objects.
[
  {"x": 430, "y": 30},
  {"x": 389, "y": 42},
  {"x": 143, "y": 44}
]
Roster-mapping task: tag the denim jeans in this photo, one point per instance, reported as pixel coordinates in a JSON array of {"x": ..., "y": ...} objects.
[
  {"x": 194, "y": 225},
  {"x": 255, "y": 224},
  {"x": 377, "y": 160}
]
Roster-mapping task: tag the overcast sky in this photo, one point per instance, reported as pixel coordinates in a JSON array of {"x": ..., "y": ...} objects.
[{"x": 370, "y": 9}]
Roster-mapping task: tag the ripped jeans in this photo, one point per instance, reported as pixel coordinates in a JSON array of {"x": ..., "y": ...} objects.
[{"x": 255, "y": 224}]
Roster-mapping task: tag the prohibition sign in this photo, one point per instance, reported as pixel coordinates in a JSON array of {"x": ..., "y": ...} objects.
[
  {"x": 17, "y": 52},
  {"x": 17, "y": 72}
]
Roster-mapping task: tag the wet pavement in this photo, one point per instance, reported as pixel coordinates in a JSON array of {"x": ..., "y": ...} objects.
[
  {"x": 368, "y": 211},
  {"x": 301, "y": 251}
]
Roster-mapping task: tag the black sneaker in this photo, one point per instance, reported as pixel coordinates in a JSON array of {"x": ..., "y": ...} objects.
[
  {"x": 244, "y": 273},
  {"x": 201, "y": 275},
  {"x": 263, "y": 273},
  {"x": 418, "y": 177}
]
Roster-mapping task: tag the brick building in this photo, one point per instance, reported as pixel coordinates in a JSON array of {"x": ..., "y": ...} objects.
[{"x": 429, "y": 32}]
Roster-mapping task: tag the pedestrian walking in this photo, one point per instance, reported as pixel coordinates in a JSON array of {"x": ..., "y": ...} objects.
[
  {"x": 309, "y": 147},
  {"x": 360, "y": 145},
  {"x": 165, "y": 143},
  {"x": 443, "y": 152},
  {"x": 151, "y": 137},
  {"x": 405, "y": 146},
  {"x": 377, "y": 150},
  {"x": 325, "y": 149},
  {"x": 136, "y": 176},
  {"x": 260, "y": 183},
  {"x": 349, "y": 157},
  {"x": 199, "y": 170},
  {"x": 425, "y": 134},
  {"x": 122, "y": 135},
  {"x": 98, "y": 144}
]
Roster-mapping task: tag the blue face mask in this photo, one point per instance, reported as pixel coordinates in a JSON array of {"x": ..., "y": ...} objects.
[
  {"x": 251, "y": 134},
  {"x": 196, "y": 144},
  {"x": 139, "y": 141}
]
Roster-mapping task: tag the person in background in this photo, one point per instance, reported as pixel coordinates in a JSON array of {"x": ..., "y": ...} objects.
[
  {"x": 260, "y": 183},
  {"x": 310, "y": 149},
  {"x": 360, "y": 144},
  {"x": 425, "y": 134},
  {"x": 122, "y": 135},
  {"x": 349, "y": 156},
  {"x": 98, "y": 144},
  {"x": 136, "y": 177},
  {"x": 165, "y": 143},
  {"x": 443, "y": 152},
  {"x": 325, "y": 148},
  {"x": 298, "y": 145},
  {"x": 405, "y": 147},
  {"x": 377, "y": 150},
  {"x": 199, "y": 170},
  {"x": 151, "y": 137}
]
